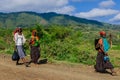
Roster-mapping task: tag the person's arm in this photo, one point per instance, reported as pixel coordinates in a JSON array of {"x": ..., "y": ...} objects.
[
  {"x": 16, "y": 37},
  {"x": 30, "y": 41},
  {"x": 24, "y": 40}
]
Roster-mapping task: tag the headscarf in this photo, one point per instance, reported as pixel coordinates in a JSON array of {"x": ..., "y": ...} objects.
[
  {"x": 102, "y": 33},
  {"x": 16, "y": 30},
  {"x": 34, "y": 32}
]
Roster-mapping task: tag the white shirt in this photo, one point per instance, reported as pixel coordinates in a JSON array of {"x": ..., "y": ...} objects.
[{"x": 19, "y": 39}]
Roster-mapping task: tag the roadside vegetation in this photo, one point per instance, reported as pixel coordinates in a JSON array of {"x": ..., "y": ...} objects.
[{"x": 70, "y": 44}]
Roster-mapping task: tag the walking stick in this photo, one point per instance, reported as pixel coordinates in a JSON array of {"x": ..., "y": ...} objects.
[{"x": 110, "y": 40}]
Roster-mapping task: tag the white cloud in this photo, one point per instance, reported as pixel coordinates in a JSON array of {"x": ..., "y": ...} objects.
[
  {"x": 42, "y": 3},
  {"x": 81, "y": 0},
  {"x": 96, "y": 12},
  {"x": 65, "y": 10},
  {"x": 116, "y": 18},
  {"x": 76, "y": 0},
  {"x": 35, "y": 5},
  {"x": 107, "y": 4}
]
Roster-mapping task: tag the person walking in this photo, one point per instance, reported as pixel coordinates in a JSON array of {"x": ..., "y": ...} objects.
[
  {"x": 34, "y": 47},
  {"x": 102, "y": 59},
  {"x": 19, "y": 41},
  {"x": 15, "y": 49}
]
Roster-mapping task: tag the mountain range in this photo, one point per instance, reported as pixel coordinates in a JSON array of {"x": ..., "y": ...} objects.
[{"x": 29, "y": 19}]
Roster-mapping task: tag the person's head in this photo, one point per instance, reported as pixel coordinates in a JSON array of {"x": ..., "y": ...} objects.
[
  {"x": 34, "y": 32},
  {"x": 102, "y": 33},
  {"x": 20, "y": 30}
]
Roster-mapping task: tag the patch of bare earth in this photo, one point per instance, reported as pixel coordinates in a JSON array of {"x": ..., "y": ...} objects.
[{"x": 9, "y": 71}]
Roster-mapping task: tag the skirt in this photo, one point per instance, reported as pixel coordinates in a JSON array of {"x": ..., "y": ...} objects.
[
  {"x": 35, "y": 54},
  {"x": 21, "y": 51},
  {"x": 101, "y": 65}
]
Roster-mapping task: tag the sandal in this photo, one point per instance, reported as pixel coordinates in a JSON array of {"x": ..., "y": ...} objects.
[{"x": 114, "y": 74}]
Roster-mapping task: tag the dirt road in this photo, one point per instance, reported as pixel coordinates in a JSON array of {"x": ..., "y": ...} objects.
[{"x": 9, "y": 71}]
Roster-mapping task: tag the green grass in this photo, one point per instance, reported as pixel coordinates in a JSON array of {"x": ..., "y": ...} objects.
[{"x": 116, "y": 47}]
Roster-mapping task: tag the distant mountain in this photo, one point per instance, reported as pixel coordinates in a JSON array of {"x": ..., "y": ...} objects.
[
  {"x": 23, "y": 19},
  {"x": 28, "y": 19}
]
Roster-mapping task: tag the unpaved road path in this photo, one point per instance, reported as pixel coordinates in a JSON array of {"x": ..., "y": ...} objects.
[{"x": 9, "y": 71}]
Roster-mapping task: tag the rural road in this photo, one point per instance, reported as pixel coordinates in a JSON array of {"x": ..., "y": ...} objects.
[{"x": 9, "y": 71}]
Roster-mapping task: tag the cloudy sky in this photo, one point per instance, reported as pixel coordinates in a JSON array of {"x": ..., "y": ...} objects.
[{"x": 101, "y": 10}]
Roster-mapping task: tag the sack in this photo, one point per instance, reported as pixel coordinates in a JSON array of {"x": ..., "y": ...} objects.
[
  {"x": 97, "y": 46},
  {"x": 15, "y": 56}
]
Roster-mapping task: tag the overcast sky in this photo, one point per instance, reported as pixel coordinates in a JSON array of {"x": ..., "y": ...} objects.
[{"x": 101, "y": 10}]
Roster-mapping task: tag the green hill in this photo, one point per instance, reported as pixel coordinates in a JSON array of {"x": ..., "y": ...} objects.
[
  {"x": 67, "y": 20},
  {"x": 28, "y": 19},
  {"x": 22, "y": 19}
]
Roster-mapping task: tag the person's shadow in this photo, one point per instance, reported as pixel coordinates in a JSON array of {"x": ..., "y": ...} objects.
[{"x": 43, "y": 61}]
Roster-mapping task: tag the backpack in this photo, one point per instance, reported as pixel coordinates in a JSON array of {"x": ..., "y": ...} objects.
[{"x": 97, "y": 47}]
